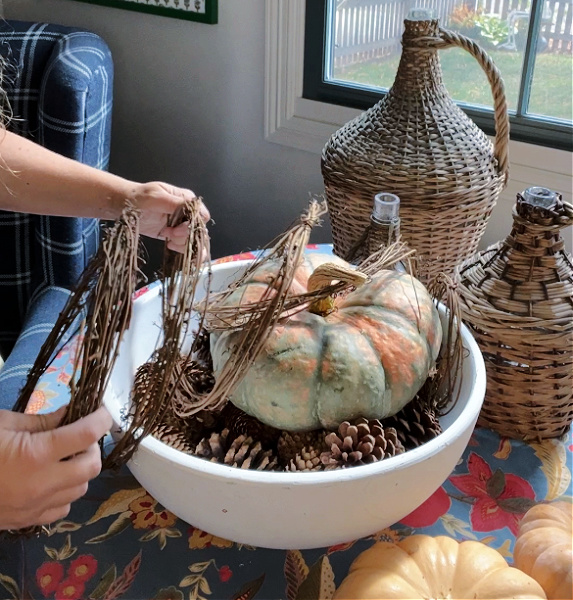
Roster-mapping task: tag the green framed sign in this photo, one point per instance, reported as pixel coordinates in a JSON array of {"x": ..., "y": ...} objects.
[{"x": 204, "y": 11}]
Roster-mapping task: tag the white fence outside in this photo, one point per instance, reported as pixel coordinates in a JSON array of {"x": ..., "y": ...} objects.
[{"x": 368, "y": 29}]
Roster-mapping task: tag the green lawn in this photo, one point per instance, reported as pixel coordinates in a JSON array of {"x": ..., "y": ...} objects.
[{"x": 551, "y": 92}]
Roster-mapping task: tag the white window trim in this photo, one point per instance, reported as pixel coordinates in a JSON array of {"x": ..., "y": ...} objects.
[{"x": 294, "y": 121}]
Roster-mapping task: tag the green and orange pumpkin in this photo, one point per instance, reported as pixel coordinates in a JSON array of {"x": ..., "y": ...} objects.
[{"x": 368, "y": 357}]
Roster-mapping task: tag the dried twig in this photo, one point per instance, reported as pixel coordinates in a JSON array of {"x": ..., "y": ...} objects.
[
  {"x": 152, "y": 398},
  {"x": 102, "y": 298},
  {"x": 444, "y": 387},
  {"x": 255, "y": 321}
]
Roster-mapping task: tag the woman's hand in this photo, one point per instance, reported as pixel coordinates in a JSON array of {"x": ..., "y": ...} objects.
[
  {"x": 158, "y": 201},
  {"x": 43, "y": 468}
]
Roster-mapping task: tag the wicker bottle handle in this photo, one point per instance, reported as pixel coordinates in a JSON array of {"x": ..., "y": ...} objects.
[{"x": 448, "y": 39}]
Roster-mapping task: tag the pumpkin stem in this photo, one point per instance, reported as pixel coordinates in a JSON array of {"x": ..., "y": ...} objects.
[{"x": 323, "y": 276}]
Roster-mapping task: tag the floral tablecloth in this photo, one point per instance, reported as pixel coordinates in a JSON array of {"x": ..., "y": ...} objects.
[{"x": 118, "y": 542}]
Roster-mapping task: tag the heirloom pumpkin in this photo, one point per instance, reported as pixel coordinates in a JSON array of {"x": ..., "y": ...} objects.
[
  {"x": 422, "y": 566},
  {"x": 543, "y": 548},
  {"x": 368, "y": 357}
]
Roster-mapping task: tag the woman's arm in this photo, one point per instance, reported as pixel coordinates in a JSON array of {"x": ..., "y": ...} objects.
[{"x": 36, "y": 180}]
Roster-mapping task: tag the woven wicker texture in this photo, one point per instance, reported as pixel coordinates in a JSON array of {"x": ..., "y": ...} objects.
[
  {"x": 418, "y": 144},
  {"x": 517, "y": 297}
]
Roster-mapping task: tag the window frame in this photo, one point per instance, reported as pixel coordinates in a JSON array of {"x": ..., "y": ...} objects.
[{"x": 541, "y": 131}]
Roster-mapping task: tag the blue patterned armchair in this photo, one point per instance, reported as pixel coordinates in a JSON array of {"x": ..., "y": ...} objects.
[{"x": 58, "y": 81}]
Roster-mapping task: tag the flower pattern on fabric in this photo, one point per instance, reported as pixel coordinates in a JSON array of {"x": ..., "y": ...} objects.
[
  {"x": 430, "y": 511},
  {"x": 225, "y": 573},
  {"x": 144, "y": 515},
  {"x": 199, "y": 539},
  {"x": 48, "y": 577},
  {"x": 70, "y": 589},
  {"x": 499, "y": 499},
  {"x": 41, "y": 399},
  {"x": 235, "y": 257},
  {"x": 83, "y": 568}
]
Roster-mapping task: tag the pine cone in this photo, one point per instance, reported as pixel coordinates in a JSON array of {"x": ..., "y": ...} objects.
[
  {"x": 203, "y": 348},
  {"x": 248, "y": 454},
  {"x": 241, "y": 452},
  {"x": 308, "y": 459},
  {"x": 214, "y": 447},
  {"x": 141, "y": 381},
  {"x": 196, "y": 377},
  {"x": 174, "y": 437},
  {"x": 192, "y": 378},
  {"x": 415, "y": 424},
  {"x": 291, "y": 444},
  {"x": 240, "y": 423},
  {"x": 360, "y": 443},
  {"x": 197, "y": 426}
]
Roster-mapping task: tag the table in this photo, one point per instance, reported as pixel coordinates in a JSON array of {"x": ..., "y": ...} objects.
[{"x": 118, "y": 542}]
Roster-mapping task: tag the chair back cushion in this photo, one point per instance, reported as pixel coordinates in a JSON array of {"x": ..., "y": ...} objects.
[{"x": 59, "y": 82}]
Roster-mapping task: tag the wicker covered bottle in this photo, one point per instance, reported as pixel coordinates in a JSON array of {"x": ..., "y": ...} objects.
[
  {"x": 418, "y": 144},
  {"x": 517, "y": 298}
]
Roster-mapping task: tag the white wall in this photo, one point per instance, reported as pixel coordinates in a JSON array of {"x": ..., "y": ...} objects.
[{"x": 189, "y": 109}]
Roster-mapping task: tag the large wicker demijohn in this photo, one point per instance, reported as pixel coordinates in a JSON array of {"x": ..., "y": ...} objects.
[
  {"x": 416, "y": 143},
  {"x": 517, "y": 298}
]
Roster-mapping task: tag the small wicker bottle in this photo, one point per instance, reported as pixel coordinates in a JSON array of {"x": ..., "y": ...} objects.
[
  {"x": 384, "y": 222},
  {"x": 417, "y": 143},
  {"x": 517, "y": 298}
]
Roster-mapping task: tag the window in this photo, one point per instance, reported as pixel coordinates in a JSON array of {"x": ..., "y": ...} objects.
[{"x": 352, "y": 50}]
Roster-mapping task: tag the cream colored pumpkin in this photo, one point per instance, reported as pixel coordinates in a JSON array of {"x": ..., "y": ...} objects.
[
  {"x": 544, "y": 548},
  {"x": 426, "y": 567},
  {"x": 369, "y": 357}
]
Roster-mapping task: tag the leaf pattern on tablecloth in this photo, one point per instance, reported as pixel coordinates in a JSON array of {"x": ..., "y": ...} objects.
[
  {"x": 63, "y": 527},
  {"x": 65, "y": 552},
  {"x": 122, "y": 583},
  {"x": 386, "y": 535},
  {"x": 105, "y": 582},
  {"x": 295, "y": 571},
  {"x": 319, "y": 582},
  {"x": 10, "y": 586},
  {"x": 553, "y": 457},
  {"x": 457, "y": 528},
  {"x": 118, "y": 502},
  {"x": 161, "y": 534},
  {"x": 250, "y": 589},
  {"x": 120, "y": 524},
  {"x": 197, "y": 580}
]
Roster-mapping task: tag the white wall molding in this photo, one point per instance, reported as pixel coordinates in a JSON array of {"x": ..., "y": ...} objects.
[
  {"x": 293, "y": 121},
  {"x": 290, "y": 119}
]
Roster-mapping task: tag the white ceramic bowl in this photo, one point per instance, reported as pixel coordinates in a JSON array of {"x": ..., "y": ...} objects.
[{"x": 288, "y": 510}]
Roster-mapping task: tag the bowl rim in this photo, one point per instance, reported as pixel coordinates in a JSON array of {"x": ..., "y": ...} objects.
[{"x": 466, "y": 419}]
